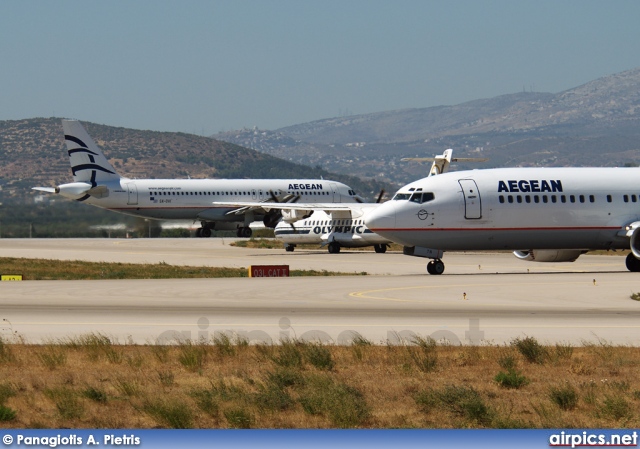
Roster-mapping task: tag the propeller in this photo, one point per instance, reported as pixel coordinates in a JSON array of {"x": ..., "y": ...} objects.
[{"x": 382, "y": 192}]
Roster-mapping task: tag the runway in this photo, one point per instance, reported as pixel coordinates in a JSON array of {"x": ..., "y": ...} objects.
[{"x": 481, "y": 298}]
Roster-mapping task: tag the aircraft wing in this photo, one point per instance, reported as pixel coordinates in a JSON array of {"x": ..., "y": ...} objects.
[{"x": 242, "y": 207}]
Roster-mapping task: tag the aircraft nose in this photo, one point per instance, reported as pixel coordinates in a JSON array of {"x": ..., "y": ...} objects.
[{"x": 381, "y": 218}]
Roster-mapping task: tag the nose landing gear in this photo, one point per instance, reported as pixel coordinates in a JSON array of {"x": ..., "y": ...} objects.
[{"x": 435, "y": 266}]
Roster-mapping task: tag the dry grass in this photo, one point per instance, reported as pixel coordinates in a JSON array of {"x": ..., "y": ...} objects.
[
  {"x": 91, "y": 382},
  {"x": 43, "y": 269}
]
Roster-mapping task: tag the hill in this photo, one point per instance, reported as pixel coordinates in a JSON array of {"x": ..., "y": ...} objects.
[
  {"x": 33, "y": 153},
  {"x": 596, "y": 124}
]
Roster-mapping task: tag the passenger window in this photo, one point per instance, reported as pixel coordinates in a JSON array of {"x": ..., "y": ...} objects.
[
  {"x": 572, "y": 198},
  {"x": 592, "y": 199},
  {"x": 545, "y": 199},
  {"x": 554, "y": 199},
  {"x": 609, "y": 199},
  {"x": 563, "y": 199},
  {"x": 582, "y": 198},
  {"x": 625, "y": 198},
  {"x": 536, "y": 199},
  {"x": 501, "y": 199},
  {"x": 527, "y": 198},
  {"x": 519, "y": 198},
  {"x": 510, "y": 199}
]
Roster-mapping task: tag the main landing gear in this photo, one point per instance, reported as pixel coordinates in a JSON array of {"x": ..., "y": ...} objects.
[
  {"x": 381, "y": 249},
  {"x": 633, "y": 264},
  {"x": 435, "y": 266},
  {"x": 204, "y": 231},
  {"x": 244, "y": 231},
  {"x": 333, "y": 247}
]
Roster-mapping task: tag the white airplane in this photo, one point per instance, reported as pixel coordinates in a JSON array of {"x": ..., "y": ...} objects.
[
  {"x": 339, "y": 226},
  {"x": 96, "y": 182},
  {"x": 543, "y": 214},
  {"x": 331, "y": 227}
]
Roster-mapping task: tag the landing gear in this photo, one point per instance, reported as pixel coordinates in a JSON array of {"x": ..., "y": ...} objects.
[
  {"x": 633, "y": 264},
  {"x": 436, "y": 266},
  {"x": 382, "y": 248},
  {"x": 334, "y": 248},
  {"x": 289, "y": 247},
  {"x": 203, "y": 232},
  {"x": 244, "y": 231}
]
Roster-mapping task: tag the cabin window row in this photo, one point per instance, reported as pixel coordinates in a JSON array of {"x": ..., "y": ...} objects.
[
  {"x": 549, "y": 199},
  {"x": 335, "y": 222},
  {"x": 227, "y": 193}
]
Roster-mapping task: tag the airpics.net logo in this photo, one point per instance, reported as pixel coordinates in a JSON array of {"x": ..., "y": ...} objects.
[{"x": 287, "y": 331}]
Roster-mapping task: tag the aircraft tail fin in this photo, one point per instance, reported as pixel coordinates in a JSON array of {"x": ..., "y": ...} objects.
[{"x": 88, "y": 163}]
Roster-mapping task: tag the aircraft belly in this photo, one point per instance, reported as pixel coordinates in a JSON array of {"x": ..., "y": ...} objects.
[{"x": 511, "y": 239}]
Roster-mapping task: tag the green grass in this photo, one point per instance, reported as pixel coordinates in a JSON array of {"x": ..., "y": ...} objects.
[{"x": 44, "y": 269}]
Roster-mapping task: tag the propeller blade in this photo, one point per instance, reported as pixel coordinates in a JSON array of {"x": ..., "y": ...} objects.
[{"x": 380, "y": 196}]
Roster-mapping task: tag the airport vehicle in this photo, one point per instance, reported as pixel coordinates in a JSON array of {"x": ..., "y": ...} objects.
[
  {"x": 96, "y": 182},
  {"x": 542, "y": 214},
  {"x": 333, "y": 228}
]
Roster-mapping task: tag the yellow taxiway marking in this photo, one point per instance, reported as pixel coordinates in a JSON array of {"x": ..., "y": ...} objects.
[{"x": 371, "y": 294}]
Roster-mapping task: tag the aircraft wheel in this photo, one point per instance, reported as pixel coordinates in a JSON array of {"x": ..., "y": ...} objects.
[
  {"x": 334, "y": 248},
  {"x": 632, "y": 263},
  {"x": 206, "y": 232},
  {"x": 289, "y": 248},
  {"x": 380, "y": 248},
  {"x": 199, "y": 232},
  {"x": 247, "y": 232},
  {"x": 435, "y": 267}
]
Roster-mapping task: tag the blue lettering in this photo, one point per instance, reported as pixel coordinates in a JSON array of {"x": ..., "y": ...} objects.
[
  {"x": 556, "y": 186},
  {"x": 545, "y": 186},
  {"x": 513, "y": 186},
  {"x": 524, "y": 186},
  {"x": 502, "y": 187},
  {"x": 534, "y": 186}
]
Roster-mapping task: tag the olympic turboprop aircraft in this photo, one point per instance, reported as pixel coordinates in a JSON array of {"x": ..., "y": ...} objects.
[
  {"x": 543, "y": 214},
  {"x": 96, "y": 182},
  {"x": 331, "y": 227}
]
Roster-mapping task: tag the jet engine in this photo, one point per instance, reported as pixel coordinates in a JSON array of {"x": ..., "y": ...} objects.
[
  {"x": 635, "y": 243},
  {"x": 293, "y": 215},
  {"x": 549, "y": 255}
]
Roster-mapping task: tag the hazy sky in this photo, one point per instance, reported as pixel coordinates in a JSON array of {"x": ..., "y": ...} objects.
[{"x": 207, "y": 66}]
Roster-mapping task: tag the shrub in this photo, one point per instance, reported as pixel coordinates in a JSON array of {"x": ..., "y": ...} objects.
[
  {"x": 95, "y": 394},
  {"x": 6, "y": 413},
  {"x": 319, "y": 356},
  {"x": 174, "y": 414},
  {"x": 565, "y": 397},
  {"x": 511, "y": 379},
  {"x": 239, "y": 418},
  {"x": 530, "y": 349},
  {"x": 466, "y": 402}
]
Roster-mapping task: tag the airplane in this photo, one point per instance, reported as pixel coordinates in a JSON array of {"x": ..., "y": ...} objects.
[
  {"x": 96, "y": 182},
  {"x": 338, "y": 227},
  {"x": 331, "y": 227},
  {"x": 542, "y": 214}
]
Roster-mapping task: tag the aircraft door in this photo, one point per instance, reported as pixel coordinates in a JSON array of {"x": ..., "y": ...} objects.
[
  {"x": 132, "y": 191},
  {"x": 472, "y": 201},
  {"x": 335, "y": 195}
]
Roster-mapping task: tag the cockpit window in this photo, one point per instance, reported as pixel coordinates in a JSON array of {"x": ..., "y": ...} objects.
[
  {"x": 422, "y": 197},
  {"x": 401, "y": 196}
]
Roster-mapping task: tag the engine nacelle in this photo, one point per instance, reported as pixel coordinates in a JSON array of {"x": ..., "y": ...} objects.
[
  {"x": 549, "y": 255},
  {"x": 73, "y": 190},
  {"x": 635, "y": 243},
  {"x": 293, "y": 215}
]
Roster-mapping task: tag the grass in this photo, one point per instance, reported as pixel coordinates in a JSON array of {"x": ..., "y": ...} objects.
[
  {"x": 44, "y": 269},
  {"x": 229, "y": 384}
]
